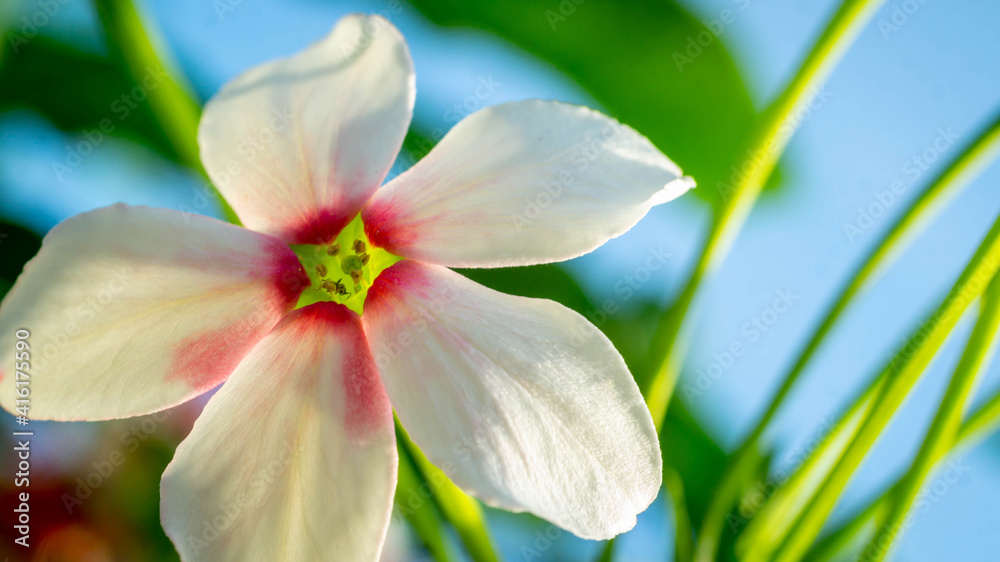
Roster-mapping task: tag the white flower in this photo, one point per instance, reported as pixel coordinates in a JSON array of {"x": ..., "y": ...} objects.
[{"x": 335, "y": 305}]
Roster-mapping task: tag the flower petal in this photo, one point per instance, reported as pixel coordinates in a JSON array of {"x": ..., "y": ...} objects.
[
  {"x": 294, "y": 458},
  {"x": 522, "y": 183},
  {"x": 298, "y": 145},
  {"x": 132, "y": 310},
  {"x": 522, "y": 402}
]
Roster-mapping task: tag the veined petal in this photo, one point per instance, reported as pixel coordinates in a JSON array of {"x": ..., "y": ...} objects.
[
  {"x": 522, "y": 402},
  {"x": 131, "y": 310},
  {"x": 298, "y": 145},
  {"x": 522, "y": 183},
  {"x": 294, "y": 458}
]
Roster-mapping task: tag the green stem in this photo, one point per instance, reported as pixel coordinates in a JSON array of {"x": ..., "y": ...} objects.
[
  {"x": 176, "y": 111},
  {"x": 975, "y": 429},
  {"x": 458, "y": 508},
  {"x": 683, "y": 543},
  {"x": 769, "y": 141},
  {"x": 984, "y": 422},
  {"x": 837, "y": 542},
  {"x": 936, "y": 196},
  {"x": 419, "y": 509},
  {"x": 767, "y": 144},
  {"x": 944, "y": 428},
  {"x": 764, "y": 532},
  {"x": 904, "y": 370}
]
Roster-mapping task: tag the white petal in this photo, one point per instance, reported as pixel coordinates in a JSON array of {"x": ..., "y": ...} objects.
[
  {"x": 132, "y": 310},
  {"x": 298, "y": 145},
  {"x": 294, "y": 458},
  {"x": 522, "y": 402},
  {"x": 522, "y": 183}
]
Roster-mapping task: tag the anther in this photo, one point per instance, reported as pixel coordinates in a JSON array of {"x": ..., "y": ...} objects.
[
  {"x": 359, "y": 247},
  {"x": 321, "y": 269},
  {"x": 334, "y": 249},
  {"x": 364, "y": 258}
]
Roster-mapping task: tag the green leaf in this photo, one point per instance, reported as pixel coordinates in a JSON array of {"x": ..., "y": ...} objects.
[
  {"x": 78, "y": 91},
  {"x": 17, "y": 246},
  {"x": 545, "y": 281},
  {"x": 636, "y": 58}
]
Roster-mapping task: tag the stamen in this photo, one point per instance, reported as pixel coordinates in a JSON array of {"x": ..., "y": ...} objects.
[
  {"x": 351, "y": 263},
  {"x": 359, "y": 261}
]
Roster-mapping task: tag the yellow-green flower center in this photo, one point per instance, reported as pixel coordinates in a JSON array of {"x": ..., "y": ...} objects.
[{"x": 343, "y": 270}]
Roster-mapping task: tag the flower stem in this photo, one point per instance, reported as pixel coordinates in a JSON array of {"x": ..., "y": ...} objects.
[
  {"x": 977, "y": 427},
  {"x": 175, "y": 109},
  {"x": 942, "y": 433},
  {"x": 458, "y": 508},
  {"x": 768, "y": 142},
  {"x": 424, "y": 517},
  {"x": 935, "y": 197},
  {"x": 902, "y": 373}
]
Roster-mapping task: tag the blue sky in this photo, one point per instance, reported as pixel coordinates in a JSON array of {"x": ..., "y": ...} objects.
[{"x": 904, "y": 86}]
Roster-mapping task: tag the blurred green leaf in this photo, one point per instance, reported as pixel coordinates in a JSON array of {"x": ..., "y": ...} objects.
[
  {"x": 641, "y": 59},
  {"x": 17, "y": 246},
  {"x": 545, "y": 281},
  {"x": 76, "y": 91}
]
